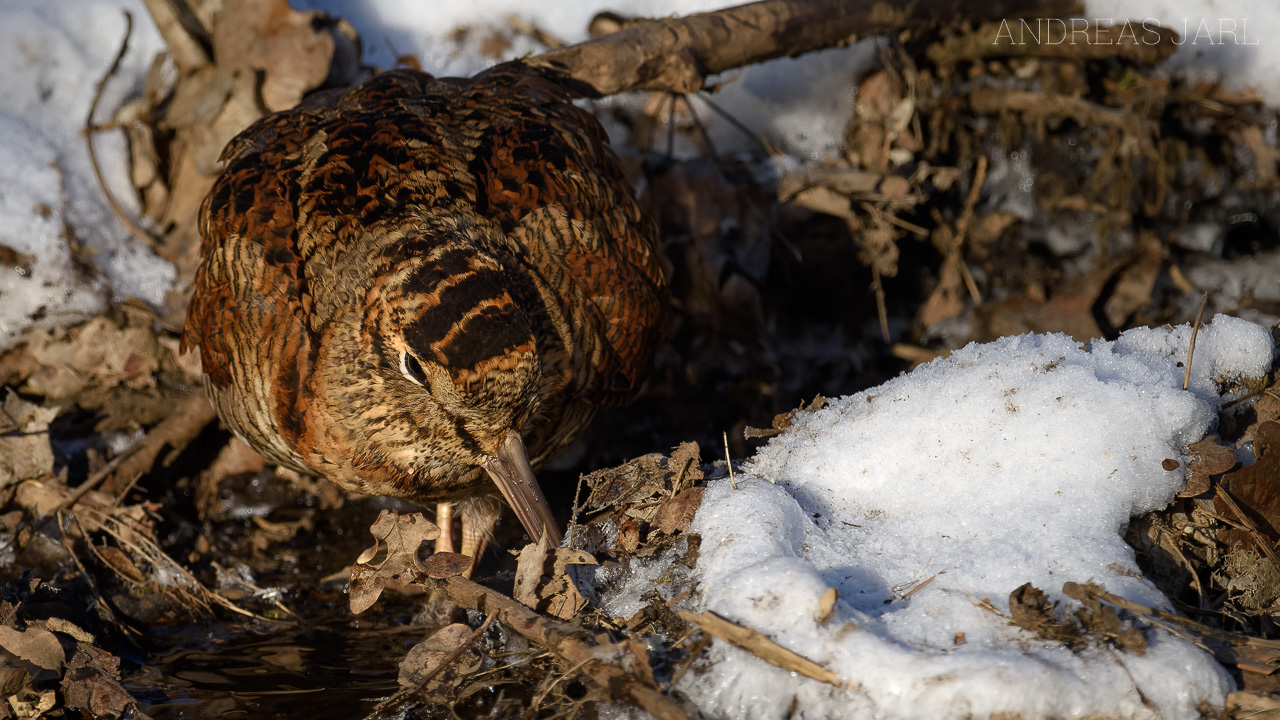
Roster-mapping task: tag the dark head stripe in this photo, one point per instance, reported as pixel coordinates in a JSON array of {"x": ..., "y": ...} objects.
[
  {"x": 447, "y": 305},
  {"x": 490, "y": 333}
]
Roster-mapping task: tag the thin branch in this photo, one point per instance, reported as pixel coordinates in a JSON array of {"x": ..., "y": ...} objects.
[
  {"x": 89, "y": 128},
  {"x": 1191, "y": 346}
]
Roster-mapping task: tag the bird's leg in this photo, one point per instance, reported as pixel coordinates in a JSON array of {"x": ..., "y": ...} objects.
[
  {"x": 444, "y": 520},
  {"x": 478, "y": 519}
]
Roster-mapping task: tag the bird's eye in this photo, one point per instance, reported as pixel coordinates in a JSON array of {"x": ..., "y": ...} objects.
[{"x": 412, "y": 369}]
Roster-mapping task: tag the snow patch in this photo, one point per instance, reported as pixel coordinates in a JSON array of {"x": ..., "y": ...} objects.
[{"x": 1015, "y": 461}]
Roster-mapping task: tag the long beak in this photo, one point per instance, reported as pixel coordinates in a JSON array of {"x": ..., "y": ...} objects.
[{"x": 510, "y": 470}]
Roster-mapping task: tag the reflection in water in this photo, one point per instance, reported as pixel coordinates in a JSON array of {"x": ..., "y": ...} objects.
[{"x": 237, "y": 671}]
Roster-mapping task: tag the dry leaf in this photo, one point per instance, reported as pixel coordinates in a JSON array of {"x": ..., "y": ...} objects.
[
  {"x": 530, "y": 567},
  {"x": 25, "y": 452},
  {"x": 1030, "y": 609},
  {"x": 121, "y": 564},
  {"x": 684, "y": 467},
  {"x": 397, "y": 539},
  {"x": 1070, "y": 310},
  {"x": 92, "y": 683},
  {"x": 442, "y": 565},
  {"x": 947, "y": 299},
  {"x": 31, "y": 704},
  {"x": 292, "y": 48},
  {"x": 1207, "y": 458},
  {"x": 424, "y": 657},
  {"x": 1254, "y": 488},
  {"x": 35, "y": 645},
  {"x": 675, "y": 514},
  {"x": 120, "y": 347},
  {"x": 782, "y": 421}
]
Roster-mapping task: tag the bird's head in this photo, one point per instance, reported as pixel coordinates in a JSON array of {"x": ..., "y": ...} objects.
[{"x": 454, "y": 378}]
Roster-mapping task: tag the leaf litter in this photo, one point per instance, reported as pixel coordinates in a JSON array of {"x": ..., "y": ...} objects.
[{"x": 907, "y": 208}]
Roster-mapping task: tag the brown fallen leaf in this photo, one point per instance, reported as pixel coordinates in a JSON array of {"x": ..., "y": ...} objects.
[
  {"x": 441, "y": 565},
  {"x": 25, "y": 452},
  {"x": 1104, "y": 620},
  {"x": 782, "y": 421},
  {"x": 554, "y": 592},
  {"x": 92, "y": 683},
  {"x": 31, "y": 704},
  {"x": 948, "y": 298},
  {"x": 1254, "y": 488},
  {"x": 35, "y": 645},
  {"x": 1070, "y": 310},
  {"x": 562, "y": 596},
  {"x": 119, "y": 347},
  {"x": 424, "y": 659},
  {"x": 675, "y": 515},
  {"x": 396, "y": 540},
  {"x": 1208, "y": 458},
  {"x": 827, "y": 606},
  {"x": 120, "y": 562},
  {"x": 530, "y": 567}
]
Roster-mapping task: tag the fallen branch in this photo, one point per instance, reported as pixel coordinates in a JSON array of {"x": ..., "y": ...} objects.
[{"x": 679, "y": 54}]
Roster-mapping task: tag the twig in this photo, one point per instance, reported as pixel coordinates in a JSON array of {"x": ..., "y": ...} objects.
[
  {"x": 577, "y": 508},
  {"x": 702, "y": 129},
  {"x": 729, "y": 462},
  {"x": 881, "y": 311},
  {"x": 566, "y": 641},
  {"x": 760, "y": 646},
  {"x": 1191, "y": 346},
  {"x": 698, "y": 646},
  {"x": 671, "y": 125},
  {"x": 97, "y": 478},
  {"x": 1085, "y": 592},
  {"x": 537, "y": 701},
  {"x": 88, "y": 131},
  {"x": 1259, "y": 538},
  {"x": 103, "y": 606},
  {"x": 919, "y": 587},
  {"x": 737, "y": 124},
  {"x": 245, "y": 583},
  {"x": 407, "y": 692},
  {"x": 962, "y": 227}
]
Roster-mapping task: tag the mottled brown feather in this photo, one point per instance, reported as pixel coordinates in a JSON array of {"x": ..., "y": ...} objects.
[{"x": 397, "y": 274}]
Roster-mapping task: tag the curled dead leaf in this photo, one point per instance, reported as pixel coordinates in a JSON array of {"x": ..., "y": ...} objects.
[
  {"x": 442, "y": 565},
  {"x": 675, "y": 515}
]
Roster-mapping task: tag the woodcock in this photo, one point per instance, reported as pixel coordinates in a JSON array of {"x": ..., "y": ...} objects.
[{"x": 424, "y": 287}]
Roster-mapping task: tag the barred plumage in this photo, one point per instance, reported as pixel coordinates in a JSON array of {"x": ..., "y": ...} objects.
[{"x": 401, "y": 278}]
